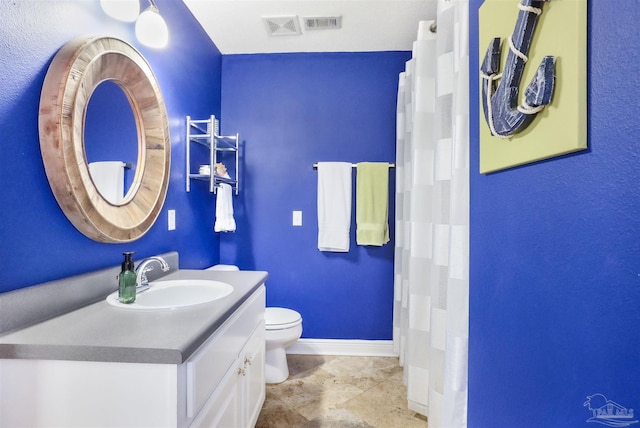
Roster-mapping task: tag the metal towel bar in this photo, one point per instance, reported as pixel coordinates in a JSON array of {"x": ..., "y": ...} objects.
[{"x": 354, "y": 165}]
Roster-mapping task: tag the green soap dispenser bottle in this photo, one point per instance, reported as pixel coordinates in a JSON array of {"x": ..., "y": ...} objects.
[{"x": 127, "y": 280}]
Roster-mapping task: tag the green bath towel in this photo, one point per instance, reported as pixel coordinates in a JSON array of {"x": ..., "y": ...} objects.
[{"x": 372, "y": 203}]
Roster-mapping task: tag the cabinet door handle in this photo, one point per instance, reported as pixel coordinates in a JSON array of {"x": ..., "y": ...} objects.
[
  {"x": 241, "y": 371},
  {"x": 247, "y": 361}
]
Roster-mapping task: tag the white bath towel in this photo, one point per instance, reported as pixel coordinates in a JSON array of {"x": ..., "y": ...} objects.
[
  {"x": 224, "y": 209},
  {"x": 108, "y": 177},
  {"x": 334, "y": 206}
]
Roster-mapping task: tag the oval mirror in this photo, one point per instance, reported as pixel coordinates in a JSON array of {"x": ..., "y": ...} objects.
[{"x": 74, "y": 74}]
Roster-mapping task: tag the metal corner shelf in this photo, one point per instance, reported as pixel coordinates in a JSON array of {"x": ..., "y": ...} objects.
[{"x": 206, "y": 132}]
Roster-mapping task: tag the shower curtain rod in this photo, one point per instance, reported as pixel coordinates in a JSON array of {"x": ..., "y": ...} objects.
[
  {"x": 353, "y": 165},
  {"x": 434, "y": 27}
]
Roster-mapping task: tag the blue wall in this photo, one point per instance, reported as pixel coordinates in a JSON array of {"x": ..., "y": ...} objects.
[
  {"x": 293, "y": 110},
  {"x": 555, "y": 254},
  {"x": 38, "y": 243}
]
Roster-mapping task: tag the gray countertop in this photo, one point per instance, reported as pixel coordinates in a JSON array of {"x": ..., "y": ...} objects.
[{"x": 101, "y": 332}]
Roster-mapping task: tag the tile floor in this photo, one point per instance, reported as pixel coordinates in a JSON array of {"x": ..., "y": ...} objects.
[{"x": 339, "y": 392}]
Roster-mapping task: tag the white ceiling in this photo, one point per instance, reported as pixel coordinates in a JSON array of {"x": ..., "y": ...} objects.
[{"x": 238, "y": 27}]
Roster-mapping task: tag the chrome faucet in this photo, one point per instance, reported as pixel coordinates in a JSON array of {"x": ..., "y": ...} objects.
[{"x": 142, "y": 283}]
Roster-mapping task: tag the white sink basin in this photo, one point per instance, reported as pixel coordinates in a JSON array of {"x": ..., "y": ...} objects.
[{"x": 173, "y": 294}]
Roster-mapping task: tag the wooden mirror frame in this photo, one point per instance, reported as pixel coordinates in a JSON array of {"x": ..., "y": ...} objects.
[{"x": 76, "y": 70}]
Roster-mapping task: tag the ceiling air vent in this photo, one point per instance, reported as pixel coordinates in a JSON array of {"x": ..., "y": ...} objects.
[
  {"x": 282, "y": 25},
  {"x": 323, "y": 23}
]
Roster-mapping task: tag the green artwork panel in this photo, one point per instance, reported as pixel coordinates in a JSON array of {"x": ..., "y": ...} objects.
[{"x": 561, "y": 127}]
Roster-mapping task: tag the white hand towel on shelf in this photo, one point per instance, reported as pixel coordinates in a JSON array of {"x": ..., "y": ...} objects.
[
  {"x": 224, "y": 209},
  {"x": 334, "y": 206}
]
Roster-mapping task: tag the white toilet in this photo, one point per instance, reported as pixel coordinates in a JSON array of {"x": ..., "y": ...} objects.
[
  {"x": 223, "y": 267},
  {"x": 282, "y": 328}
]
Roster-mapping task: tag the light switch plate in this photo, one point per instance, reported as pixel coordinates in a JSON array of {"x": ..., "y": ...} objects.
[
  {"x": 171, "y": 219},
  {"x": 297, "y": 218}
]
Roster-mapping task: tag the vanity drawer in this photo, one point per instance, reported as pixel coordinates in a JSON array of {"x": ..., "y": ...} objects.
[{"x": 207, "y": 367}]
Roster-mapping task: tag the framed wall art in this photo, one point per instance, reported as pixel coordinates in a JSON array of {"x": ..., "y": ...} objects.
[{"x": 533, "y": 81}]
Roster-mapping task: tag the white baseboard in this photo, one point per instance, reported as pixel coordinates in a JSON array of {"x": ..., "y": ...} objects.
[{"x": 369, "y": 348}]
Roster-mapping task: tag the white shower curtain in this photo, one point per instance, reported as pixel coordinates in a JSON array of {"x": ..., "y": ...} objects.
[{"x": 432, "y": 219}]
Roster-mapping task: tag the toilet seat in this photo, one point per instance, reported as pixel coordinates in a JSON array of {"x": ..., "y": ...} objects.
[{"x": 281, "y": 318}]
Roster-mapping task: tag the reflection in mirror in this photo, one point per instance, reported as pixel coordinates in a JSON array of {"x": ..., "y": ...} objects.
[{"x": 111, "y": 141}]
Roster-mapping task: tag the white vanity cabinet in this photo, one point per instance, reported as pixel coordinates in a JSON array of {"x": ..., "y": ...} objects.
[
  {"x": 238, "y": 398},
  {"x": 220, "y": 385},
  {"x": 231, "y": 397}
]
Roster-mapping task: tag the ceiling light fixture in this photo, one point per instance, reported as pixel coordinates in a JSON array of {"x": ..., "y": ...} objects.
[
  {"x": 122, "y": 10},
  {"x": 151, "y": 29}
]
